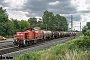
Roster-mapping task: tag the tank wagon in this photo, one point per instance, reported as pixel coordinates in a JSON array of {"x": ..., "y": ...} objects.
[{"x": 32, "y": 36}]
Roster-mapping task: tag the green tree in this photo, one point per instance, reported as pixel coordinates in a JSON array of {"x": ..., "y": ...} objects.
[
  {"x": 56, "y": 22},
  {"x": 3, "y": 20},
  {"x": 23, "y": 25},
  {"x": 88, "y": 25},
  {"x": 33, "y": 22},
  {"x": 87, "y": 33},
  {"x": 3, "y": 15},
  {"x": 48, "y": 18},
  {"x": 85, "y": 28},
  {"x": 43, "y": 26},
  {"x": 16, "y": 25},
  {"x": 64, "y": 24},
  {"x": 39, "y": 23},
  {"x": 9, "y": 28},
  {"x": 61, "y": 23},
  {"x": 2, "y": 29}
]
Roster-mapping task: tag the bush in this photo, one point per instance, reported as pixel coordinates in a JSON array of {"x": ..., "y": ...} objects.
[
  {"x": 29, "y": 56},
  {"x": 7, "y": 36},
  {"x": 83, "y": 43},
  {"x": 87, "y": 33},
  {"x": 75, "y": 49}
]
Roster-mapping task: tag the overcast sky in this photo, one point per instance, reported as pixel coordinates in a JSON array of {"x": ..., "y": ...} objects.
[{"x": 23, "y": 9}]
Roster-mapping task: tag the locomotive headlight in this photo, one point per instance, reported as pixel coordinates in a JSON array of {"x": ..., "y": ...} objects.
[
  {"x": 17, "y": 34},
  {"x": 21, "y": 34},
  {"x": 16, "y": 40}
]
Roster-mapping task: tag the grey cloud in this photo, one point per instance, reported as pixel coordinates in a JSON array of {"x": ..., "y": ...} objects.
[
  {"x": 87, "y": 1},
  {"x": 35, "y": 6},
  {"x": 64, "y": 8},
  {"x": 39, "y": 6},
  {"x": 84, "y": 11},
  {"x": 3, "y": 3},
  {"x": 76, "y": 17}
]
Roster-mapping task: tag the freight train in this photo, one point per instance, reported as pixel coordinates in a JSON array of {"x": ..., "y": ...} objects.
[{"x": 33, "y": 36}]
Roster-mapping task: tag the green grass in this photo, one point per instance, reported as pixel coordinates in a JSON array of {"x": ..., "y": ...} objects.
[
  {"x": 7, "y": 36},
  {"x": 75, "y": 55},
  {"x": 76, "y": 49}
]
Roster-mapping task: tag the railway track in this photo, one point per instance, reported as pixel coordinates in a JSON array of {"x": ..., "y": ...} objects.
[
  {"x": 6, "y": 45},
  {"x": 14, "y": 51},
  {"x": 7, "y": 40}
]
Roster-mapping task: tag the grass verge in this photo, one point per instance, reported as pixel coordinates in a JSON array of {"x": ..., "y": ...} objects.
[{"x": 76, "y": 49}]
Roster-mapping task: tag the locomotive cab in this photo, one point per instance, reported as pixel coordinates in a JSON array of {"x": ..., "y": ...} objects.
[
  {"x": 22, "y": 38},
  {"x": 19, "y": 37}
]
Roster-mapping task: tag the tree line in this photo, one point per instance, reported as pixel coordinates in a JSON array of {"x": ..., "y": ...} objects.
[
  {"x": 86, "y": 27},
  {"x": 49, "y": 21}
]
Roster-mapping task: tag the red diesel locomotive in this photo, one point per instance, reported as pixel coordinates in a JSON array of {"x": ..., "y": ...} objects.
[
  {"x": 28, "y": 37},
  {"x": 36, "y": 35}
]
